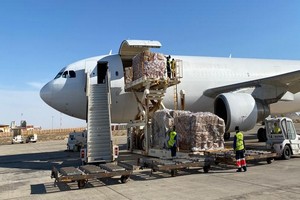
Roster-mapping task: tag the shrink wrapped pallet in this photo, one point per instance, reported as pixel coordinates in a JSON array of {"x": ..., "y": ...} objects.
[
  {"x": 128, "y": 75},
  {"x": 162, "y": 120},
  {"x": 149, "y": 64},
  {"x": 196, "y": 131},
  {"x": 201, "y": 131}
]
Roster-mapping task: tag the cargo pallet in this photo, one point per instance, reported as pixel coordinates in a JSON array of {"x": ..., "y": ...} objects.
[
  {"x": 85, "y": 172},
  {"x": 228, "y": 156},
  {"x": 175, "y": 164}
]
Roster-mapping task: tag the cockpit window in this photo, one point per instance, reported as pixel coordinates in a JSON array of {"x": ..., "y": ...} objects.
[
  {"x": 60, "y": 73},
  {"x": 69, "y": 74},
  {"x": 65, "y": 74}
]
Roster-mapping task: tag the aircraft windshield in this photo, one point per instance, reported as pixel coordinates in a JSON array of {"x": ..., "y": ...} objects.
[{"x": 60, "y": 73}]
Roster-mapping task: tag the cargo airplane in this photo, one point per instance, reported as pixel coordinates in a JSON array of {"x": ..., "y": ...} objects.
[{"x": 239, "y": 90}]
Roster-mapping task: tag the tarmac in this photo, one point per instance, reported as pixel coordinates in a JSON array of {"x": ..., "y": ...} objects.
[{"x": 25, "y": 174}]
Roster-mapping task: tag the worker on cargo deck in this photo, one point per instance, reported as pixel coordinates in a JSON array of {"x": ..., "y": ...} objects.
[
  {"x": 169, "y": 66},
  {"x": 276, "y": 129},
  {"x": 239, "y": 148},
  {"x": 173, "y": 65},
  {"x": 172, "y": 142}
]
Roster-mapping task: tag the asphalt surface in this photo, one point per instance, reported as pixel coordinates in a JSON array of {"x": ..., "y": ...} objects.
[{"x": 25, "y": 174}]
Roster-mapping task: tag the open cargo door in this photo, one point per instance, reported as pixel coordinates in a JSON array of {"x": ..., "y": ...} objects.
[{"x": 130, "y": 48}]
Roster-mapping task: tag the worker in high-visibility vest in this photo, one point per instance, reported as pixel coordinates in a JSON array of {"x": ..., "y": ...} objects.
[
  {"x": 172, "y": 142},
  {"x": 239, "y": 148},
  {"x": 173, "y": 66},
  {"x": 277, "y": 130}
]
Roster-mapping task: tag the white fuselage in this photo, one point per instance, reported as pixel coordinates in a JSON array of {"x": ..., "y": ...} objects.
[{"x": 68, "y": 96}]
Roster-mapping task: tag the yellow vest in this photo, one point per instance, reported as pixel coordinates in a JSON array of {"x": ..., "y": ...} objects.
[
  {"x": 276, "y": 129},
  {"x": 239, "y": 141},
  {"x": 172, "y": 140}
]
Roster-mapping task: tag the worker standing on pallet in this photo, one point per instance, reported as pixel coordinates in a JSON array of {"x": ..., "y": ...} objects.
[
  {"x": 169, "y": 66},
  {"x": 239, "y": 148},
  {"x": 172, "y": 142},
  {"x": 173, "y": 65}
]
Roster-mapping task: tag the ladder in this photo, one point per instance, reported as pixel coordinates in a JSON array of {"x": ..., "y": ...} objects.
[{"x": 175, "y": 98}]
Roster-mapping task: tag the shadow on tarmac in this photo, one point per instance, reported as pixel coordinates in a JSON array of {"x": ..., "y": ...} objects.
[{"x": 40, "y": 161}]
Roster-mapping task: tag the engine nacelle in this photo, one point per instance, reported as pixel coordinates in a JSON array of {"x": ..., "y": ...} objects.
[{"x": 240, "y": 109}]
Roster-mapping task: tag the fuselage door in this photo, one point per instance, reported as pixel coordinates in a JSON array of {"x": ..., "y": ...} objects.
[{"x": 101, "y": 71}]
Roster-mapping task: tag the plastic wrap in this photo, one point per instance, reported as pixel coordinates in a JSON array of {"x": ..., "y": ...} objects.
[
  {"x": 149, "y": 64},
  {"x": 200, "y": 131}
]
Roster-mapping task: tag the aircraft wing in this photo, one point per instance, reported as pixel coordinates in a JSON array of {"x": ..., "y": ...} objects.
[{"x": 289, "y": 81}]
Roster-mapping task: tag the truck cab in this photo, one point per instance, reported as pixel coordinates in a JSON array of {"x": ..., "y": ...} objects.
[
  {"x": 282, "y": 137},
  {"x": 76, "y": 140},
  {"x": 17, "y": 135}
]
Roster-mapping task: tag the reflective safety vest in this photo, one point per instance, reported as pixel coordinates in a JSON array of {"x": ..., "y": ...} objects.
[
  {"x": 276, "y": 129},
  {"x": 172, "y": 140},
  {"x": 239, "y": 141}
]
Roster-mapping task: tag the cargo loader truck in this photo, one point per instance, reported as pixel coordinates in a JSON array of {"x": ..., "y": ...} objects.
[{"x": 282, "y": 137}]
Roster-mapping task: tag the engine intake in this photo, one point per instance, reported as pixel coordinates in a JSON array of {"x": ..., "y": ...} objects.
[{"x": 240, "y": 109}]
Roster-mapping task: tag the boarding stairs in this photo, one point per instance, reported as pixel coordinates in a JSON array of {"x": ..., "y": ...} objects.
[{"x": 99, "y": 137}]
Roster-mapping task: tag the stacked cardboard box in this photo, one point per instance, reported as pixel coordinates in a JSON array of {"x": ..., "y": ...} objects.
[
  {"x": 196, "y": 131},
  {"x": 149, "y": 64},
  {"x": 128, "y": 75}
]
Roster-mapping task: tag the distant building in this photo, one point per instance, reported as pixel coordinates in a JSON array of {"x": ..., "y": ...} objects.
[{"x": 4, "y": 128}]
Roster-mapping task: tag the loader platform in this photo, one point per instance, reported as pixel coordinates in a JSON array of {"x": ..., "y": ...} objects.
[{"x": 140, "y": 84}]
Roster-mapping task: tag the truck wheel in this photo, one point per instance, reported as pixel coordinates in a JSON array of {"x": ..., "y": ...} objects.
[
  {"x": 261, "y": 135},
  {"x": 286, "y": 153},
  {"x": 226, "y": 136}
]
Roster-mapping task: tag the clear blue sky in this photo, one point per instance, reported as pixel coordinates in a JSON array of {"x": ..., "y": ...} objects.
[{"x": 39, "y": 37}]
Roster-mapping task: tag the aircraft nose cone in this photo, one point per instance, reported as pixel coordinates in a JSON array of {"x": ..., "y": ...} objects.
[{"x": 46, "y": 93}]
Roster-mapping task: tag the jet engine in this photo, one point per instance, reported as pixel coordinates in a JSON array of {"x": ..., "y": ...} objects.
[{"x": 240, "y": 109}]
